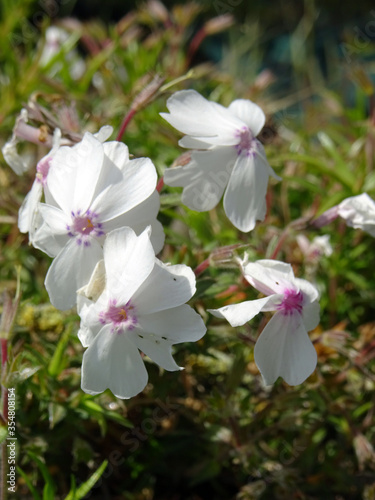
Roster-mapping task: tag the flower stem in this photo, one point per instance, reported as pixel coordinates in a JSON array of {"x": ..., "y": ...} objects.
[
  {"x": 279, "y": 245},
  {"x": 160, "y": 184},
  {"x": 125, "y": 123},
  {"x": 194, "y": 45},
  {"x": 144, "y": 97},
  {"x": 202, "y": 267}
]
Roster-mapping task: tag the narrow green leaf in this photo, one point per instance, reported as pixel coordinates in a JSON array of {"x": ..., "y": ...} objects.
[
  {"x": 49, "y": 489},
  {"x": 3, "y": 433},
  {"x": 56, "y": 364},
  {"x": 346, "y": 178},
  {"x": 78, "y": 493},
  {"x": 25, "y": 477}
]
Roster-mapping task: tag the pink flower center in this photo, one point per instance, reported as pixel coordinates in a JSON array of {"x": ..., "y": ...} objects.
[
  {"x": 246, "y": 142},
  {"x": 42, "y": 169},
  {"x": 84, "y": 227},
  {"x": 121, "y": 317},
  {"x": 292, "y": 301}
]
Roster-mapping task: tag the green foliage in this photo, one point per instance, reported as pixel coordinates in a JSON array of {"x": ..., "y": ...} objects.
[{"x": 213, "y": 430}]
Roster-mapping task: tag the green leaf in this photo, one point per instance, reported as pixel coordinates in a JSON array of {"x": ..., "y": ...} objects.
[
  {"x": 49, "y": 488},
  {"x": 3, "y": 433},
  {"x": 58, "y": 360},
  {"x": 345, "y": 177},
  {"x": 77, "y": 494},
  {"x": 26, "y": 478},
  {"x": 362, "y": 409}
]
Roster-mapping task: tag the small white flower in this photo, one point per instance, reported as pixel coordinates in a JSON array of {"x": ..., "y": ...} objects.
[
  {"x": 234, "y": 161},
  {"x": 141, "y": 308},
  {"x": 29, "y": 219},
  {"x": 56, "y": 41},
  {"x": 283, "y": 348},
  {"x": 313, "y": 250},
  {"x": 92, "y": 188},
  {"x": 19, "y": 163},
  {"x": 359, "y": 212}
]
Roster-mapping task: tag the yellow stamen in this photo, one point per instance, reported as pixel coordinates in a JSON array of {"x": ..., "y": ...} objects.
[
  {"x": 89, "y": 225},
  {"x": 123, "y": 313}
]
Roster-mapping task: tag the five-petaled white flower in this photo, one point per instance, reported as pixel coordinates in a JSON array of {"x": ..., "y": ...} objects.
[
  {"x": 233, "y": 160},
  {"x": 313, "y": 250},
  {"x": 141, "y": 308},
  {"x": 29, "y": 219},
  {"x": 92, "y": 188},
  {"x": 359, "y": 212},
  {"x": 283, "y": 348},
  {"x": 22, "y": 131}
]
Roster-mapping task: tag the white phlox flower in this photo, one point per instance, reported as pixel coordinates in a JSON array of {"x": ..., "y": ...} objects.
[
  {"x": 230, "y": 158},
  {"x": 29, "y": 220},
  {"x": 283, "y": 348},
  {"x": 56, "y": 39},
  {"x": 359, "y": 212},
  {"x": 18, "y": 163},
  {"x": 141, "y": 308},
  {"x": 92, "y": 188},
  {"x": 313, "y": 250}
]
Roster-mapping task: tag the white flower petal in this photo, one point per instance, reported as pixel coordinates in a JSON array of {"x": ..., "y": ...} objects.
[
  {"x": 269, "y": 276},
  {"x": 139, "y": 217},
  {"x": 46, "y": 241},
  {"x": 157, "y": 349},
  {"x": 311, "y": 315},
  {"x": 129, "y": 259},
  {"x": 69, "y": 271},
  {"x": 117, "y": 152},
  {"x": 89, "y": 313},
  {"x": 206, "y": 121},
  {"x": 157, "y": 234},
  {"x": 239, "y": 314},
  {"x": 310, "y": 291},
  {"x": 165, "y": 287},
  {"x": 91, "y": 155},
  {"x": 359, "y": 212},
  {"x": 74, "y": 173},
  {"x": 262, "y": 154},
  {"x": 322, "y": 245},
  {"x": 55, "y": 218},
  {"x": 204, "y": 178},
  {"x": 89, "y": 327},
  {"x": 192, "y": 143},
  {"x": 18, "y": 163},
  {"x": 303, "y": 243},
  {"x": 95, "y": 287},
  {"x": 284, "y": 349},
  {"x": 246, "y": 191},
  {"x": 27, "y": 212},
  {"x": 104, "y": 133},
  {"x": 180, "y": 324},
  {"x": 250, "y": 113},
  {"x": 112, "y": 361},
  {"x": 138, "y": 183}
]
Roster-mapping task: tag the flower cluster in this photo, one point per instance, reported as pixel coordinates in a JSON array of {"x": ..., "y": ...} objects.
[
  {"x": 96, "y": 200},
  {"x": 94, "y": 210}
]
